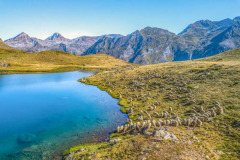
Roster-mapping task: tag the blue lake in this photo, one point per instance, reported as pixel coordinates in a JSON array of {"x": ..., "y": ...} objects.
[{"x": 41, "y": 115}]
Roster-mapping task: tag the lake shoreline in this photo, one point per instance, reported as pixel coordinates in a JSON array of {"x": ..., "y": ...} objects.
[
  {"x": 7, "y": 72},
  {"x": 99, "y": 137}
]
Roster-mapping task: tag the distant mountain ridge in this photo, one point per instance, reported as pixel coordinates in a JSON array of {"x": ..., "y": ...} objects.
[
  {"x": 134, "y": 47},
  {"x": 206, "y": 38},
  {"x": 147, "y": 46},
  {"x": 54, "y": 42},
  {"x": 154, "y": 45}
]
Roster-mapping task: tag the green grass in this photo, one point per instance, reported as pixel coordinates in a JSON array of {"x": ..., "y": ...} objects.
[{"x": 207, "y": 80}]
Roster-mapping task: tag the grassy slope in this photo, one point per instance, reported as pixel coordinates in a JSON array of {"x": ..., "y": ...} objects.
[
  {"x": 53, "y": 61},
  {"x": 5, "y": 46},
  {"x": 210, "y": 79}
]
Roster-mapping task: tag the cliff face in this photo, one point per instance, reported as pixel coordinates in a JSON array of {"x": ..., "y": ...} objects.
[
  {"x": 149, "y": 45},
  {"x": 207, "y": 38}
]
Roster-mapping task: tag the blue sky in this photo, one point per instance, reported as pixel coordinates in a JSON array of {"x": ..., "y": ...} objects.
[{"x": 73, "y": 18}]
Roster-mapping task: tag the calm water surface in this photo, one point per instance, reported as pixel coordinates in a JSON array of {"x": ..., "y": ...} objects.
[{"x": 41, "y": 115}]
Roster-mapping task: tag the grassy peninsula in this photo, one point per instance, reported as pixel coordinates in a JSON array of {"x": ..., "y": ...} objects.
[{"x": 54, "y": 61}]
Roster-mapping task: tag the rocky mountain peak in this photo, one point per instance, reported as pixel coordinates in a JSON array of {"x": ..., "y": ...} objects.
[
  {"x": 237, "y": 18},
  {"x": 155, "y": 31},
  {"x": 136, "y": 33},
  {"x": 148, "y": 45},
  {"x": 199, "y": 25},
  {"x": 56, "y": 36},
  {"x": 53, "y": 42},
  {"x": 22, "y": 34},
  {"x": 204, "y": 23},
  {"x": 225, "y": 23},
  {"x": 19, "y": 37},
  {"x": 208, "y": 25}
]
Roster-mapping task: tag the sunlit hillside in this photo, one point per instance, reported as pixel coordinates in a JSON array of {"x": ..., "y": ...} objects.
[
  {"x": 5, "y": 46},
  {"x": 197, "y": 101},
  {"x": 52, "y": 61}
]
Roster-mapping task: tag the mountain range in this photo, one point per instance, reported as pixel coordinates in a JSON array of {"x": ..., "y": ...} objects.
[
  {"x": 55, "y": 42},
  {"x": 147, "y": 46}
]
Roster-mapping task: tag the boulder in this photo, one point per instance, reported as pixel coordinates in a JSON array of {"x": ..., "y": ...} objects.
[
  {"x": 81, "y": 150},
  {"x": 115, "y": 140},
  {"x": 165, "y": 135},
  {"x": 159, "y": 133}
]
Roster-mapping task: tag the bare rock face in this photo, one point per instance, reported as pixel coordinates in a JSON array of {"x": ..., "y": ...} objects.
[
  {"x": 154, "y": 45},
  {"x": 206, "y": 38},
  {"x": 149, "y": 45}
]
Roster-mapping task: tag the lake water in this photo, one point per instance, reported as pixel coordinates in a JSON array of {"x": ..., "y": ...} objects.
[{"x": 41, "y": 115}]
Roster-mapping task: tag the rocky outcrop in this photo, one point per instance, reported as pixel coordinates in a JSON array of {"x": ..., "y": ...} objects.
[{"x": 164, "y": 135}]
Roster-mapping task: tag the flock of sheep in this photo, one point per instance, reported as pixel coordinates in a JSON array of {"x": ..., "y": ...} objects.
[
  {"x": 143, "y": 126},
  {"x": 138, "y": 90}
]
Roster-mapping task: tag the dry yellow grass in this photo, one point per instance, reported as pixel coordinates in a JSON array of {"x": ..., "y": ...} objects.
[{"x": 55, "y": 61}]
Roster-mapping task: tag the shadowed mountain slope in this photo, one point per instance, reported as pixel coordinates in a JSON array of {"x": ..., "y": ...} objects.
[
  {"x": 150, "y": 45},
  {"x": 154, "y": 45}
]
